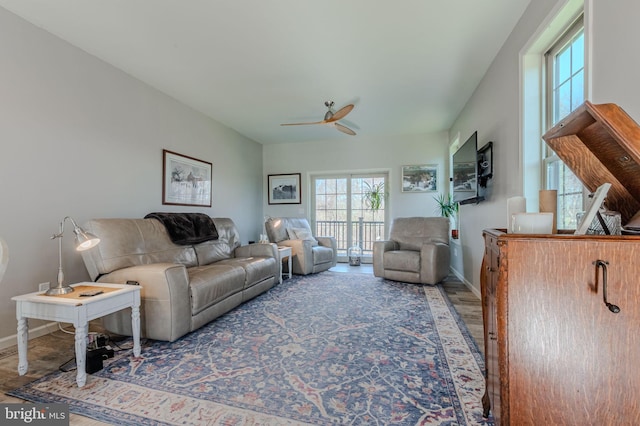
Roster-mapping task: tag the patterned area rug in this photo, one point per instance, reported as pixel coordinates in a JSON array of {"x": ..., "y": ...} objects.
[{"x": 331, "y": 348}]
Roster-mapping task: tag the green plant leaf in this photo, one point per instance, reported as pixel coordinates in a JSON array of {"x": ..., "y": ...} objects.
[
  {"x": 446, "y": 206},
  {"x": 374, "y": 195}
]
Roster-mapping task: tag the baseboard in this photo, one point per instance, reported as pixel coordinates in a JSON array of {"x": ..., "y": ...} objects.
[
  {"x": 470, "y": 286},
  {"x": 12, "y": 340}
]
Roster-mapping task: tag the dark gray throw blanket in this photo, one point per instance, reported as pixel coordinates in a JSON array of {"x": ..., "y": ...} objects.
[{"x": 187, "y": 228}]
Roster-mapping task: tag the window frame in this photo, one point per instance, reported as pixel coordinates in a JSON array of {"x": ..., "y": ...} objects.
[{"x": 552, "y": 166}]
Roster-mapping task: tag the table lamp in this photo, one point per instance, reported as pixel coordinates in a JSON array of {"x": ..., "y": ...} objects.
[{"x": 84, "y": 241}]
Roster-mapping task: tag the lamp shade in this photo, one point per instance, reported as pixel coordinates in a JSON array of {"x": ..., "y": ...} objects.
[{"x": 85, "y": 240}]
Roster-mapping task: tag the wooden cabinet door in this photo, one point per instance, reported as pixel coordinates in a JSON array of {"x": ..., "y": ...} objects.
[
  {"x": 491, "y": 265},
  {"x": 570, "y": 359}
]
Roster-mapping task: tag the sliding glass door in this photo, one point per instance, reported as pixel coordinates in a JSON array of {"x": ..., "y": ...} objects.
[{"x": 341, "y": 209}]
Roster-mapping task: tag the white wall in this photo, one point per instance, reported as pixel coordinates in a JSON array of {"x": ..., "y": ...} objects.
[
  {"x": 356, "y": 154},
  {"x": 615, "y": 59},
  {"x": 80, "y": 138},
  {"x": 495, "y": 107}
]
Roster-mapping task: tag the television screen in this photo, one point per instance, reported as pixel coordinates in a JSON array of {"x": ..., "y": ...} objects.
[{"x": 465, "y": 171}]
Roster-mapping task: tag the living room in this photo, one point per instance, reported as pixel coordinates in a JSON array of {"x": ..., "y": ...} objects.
[{"x": 82, "y": 138}]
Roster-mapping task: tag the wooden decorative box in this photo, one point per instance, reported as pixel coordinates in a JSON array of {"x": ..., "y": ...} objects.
[{"x": 601, "y": 143}]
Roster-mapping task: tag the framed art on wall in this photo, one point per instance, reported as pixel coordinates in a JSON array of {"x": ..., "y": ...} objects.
[
  {"x": 592, "y": 209},
  {"x": 420, "y": 178},
  {"x": 284, "y": 189},
  {"x": 186, "y": 181}
]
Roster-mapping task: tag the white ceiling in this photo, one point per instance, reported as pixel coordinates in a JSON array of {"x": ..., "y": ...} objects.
[{"x": 409, "y": 66}]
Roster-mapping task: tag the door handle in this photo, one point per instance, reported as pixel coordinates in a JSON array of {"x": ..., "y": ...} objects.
[{"x": 603, "y": 264}]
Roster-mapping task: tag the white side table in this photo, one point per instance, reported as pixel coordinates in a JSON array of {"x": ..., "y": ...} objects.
[
  {"x": 73, "y": 308},
  {"x": 285, "y": 254}
]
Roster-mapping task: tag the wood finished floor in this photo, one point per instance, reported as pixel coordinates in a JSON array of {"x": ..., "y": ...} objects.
[{"x": 48, "y": 353}]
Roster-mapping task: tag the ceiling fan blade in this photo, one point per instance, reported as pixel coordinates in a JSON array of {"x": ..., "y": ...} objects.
[
  {"x": 344, "y": 129},
  {"x": 341, "y": 113},
  {"x": 303, "y": 124}
]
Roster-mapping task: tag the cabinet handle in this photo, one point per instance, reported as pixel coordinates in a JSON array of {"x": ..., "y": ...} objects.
[{"x": 603, "y": 264}]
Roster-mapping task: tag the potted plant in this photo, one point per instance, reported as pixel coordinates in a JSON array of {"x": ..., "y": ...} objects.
[
  {"x": 374, "y": 195},
  {"x": 448, "y": 208}
]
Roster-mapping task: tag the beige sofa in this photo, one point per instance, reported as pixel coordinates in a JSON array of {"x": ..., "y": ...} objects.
[
  {"x": 310, "y": 254},
  {"x": 183, "y": 286},
  {"x": 417, "y": 251}
]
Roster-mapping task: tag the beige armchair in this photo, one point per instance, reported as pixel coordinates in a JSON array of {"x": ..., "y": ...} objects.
[
  {"x": 417, "y": 251},
  {"x": 310, "y": 254}
]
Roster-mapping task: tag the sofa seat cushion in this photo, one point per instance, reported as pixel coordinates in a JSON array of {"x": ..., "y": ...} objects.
[
  {"x": 212, "y": 283},
  {"x": 257, "y": 269},
  {"x": 402, "y": 260},
  {"x": 322, "y": 254}
]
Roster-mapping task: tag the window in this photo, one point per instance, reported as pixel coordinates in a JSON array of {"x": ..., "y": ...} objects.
[
  {"x": 565, "y": 73},
  {"x": 340, "y": 210}
]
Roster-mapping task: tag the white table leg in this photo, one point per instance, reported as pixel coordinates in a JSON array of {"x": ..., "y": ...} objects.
[
  {"x": 81, "y": 353},
  {"x": 289, "y": 265},
  {"x": 23, "y": 345},
  {"x": 135, "y": 326}
]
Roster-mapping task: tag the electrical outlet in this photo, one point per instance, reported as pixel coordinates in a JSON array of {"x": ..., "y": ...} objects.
[{"x": 44, "y": 286}]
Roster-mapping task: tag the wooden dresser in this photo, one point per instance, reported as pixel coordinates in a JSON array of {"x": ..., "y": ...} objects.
[{"x": 556, "y": 354}]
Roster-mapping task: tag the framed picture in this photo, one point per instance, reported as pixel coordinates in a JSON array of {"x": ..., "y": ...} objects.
[
  {"x": 592, "y": 208},
  {"x": 421, "y": 178},
  {"x": 284, "y": 189},
  {"x": 186, "y": 181}
]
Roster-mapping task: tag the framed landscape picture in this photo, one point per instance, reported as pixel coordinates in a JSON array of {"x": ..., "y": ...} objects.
[
  {"x": 284, "y": 189},
  {"x": 186, "y": 181},
  {"x": 420, "y": 178}
]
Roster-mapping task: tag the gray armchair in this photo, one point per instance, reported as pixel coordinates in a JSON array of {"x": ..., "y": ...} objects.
[
  {"x": 310, "y": 254},
  {"x": 417, "y": 251}
]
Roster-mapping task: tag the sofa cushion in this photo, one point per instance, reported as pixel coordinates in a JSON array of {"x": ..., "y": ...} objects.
[
  {"x": 132, "y": 242},
  {"x": 212, "y": 283},
  {"x": 277, "y": 228},
  {"x": 301, "y": 234},
  {"x": 212, "y": 251},
  {"x": 222, "y": 248},
  {"x": 257, "y": 269},
  {"x": 402, "y": 260},
  {"x": 322, "y": 254},
  {"x": 412, "y": 232}
]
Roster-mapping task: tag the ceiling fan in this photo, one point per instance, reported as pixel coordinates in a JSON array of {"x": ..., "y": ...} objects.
[{"x": 331, "y": 118}]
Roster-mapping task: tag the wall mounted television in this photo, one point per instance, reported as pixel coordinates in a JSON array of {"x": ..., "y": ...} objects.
[{"x": 465, "y": 172}]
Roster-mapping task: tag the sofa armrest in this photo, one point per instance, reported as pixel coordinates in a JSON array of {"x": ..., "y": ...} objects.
[
  {"x": 257, "y": 250},
  {"x": 165, "y": 302},
  {"x": 328, "y": 242},
  {"x": 435, "y": 259},
  {"x": 301, "y": 256},
  {"x": 332, "y": 243},
  {"x": 379, "y": 247},
  {"x": 382, "y": 246}
]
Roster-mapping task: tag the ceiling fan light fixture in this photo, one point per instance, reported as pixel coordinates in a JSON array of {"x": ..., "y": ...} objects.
[{"x": 332, "y": 118}]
